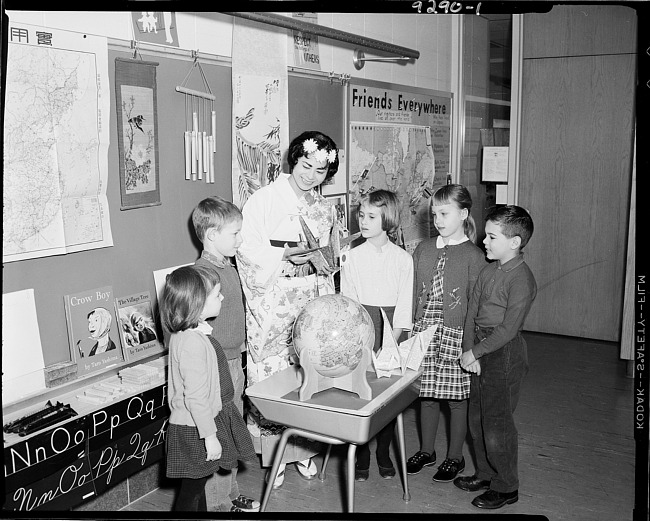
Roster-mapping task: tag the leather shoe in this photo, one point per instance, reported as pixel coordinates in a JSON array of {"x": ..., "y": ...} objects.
[
  {"x": 471, "y": 483},
  {"x": 361, "y": 474},
  {"x": 449, "y": 470},
  {"x": 387, "y": 472},
  {"x": 493, "y": 499},
  {"x": 419, "y": 460}
]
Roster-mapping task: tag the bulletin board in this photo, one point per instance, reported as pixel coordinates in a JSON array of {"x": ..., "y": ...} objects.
[
  {"x": 156, "y": 237},
  {"x": 318, "y": 103},
  {"x": 399, "y": 139}
]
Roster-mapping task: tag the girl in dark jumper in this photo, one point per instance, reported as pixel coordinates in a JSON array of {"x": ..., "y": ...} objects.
[
  {"x": 446, "y": 268},
  {"x": 206, "y": 431}
]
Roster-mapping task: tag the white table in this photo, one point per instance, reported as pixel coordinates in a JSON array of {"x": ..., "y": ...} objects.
[{"x": 334, "y": 417}]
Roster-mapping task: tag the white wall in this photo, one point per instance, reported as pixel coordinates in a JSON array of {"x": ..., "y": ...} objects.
[{"x": 211, "y": 33}]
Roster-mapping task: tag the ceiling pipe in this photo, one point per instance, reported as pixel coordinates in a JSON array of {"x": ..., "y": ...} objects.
[{"x": 333, "y": 34}]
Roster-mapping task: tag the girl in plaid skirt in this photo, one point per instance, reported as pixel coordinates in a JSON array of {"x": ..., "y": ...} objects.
[
  {"x": 206, "y": 431},
  {"x": 446, "y": 268}
]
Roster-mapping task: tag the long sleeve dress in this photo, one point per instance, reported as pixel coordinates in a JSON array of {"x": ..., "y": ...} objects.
[{"x": 276, "y": 291}]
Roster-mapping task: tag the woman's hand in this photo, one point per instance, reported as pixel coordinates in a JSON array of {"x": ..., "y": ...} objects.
[
  {"x": 296, "y": 255},
  {"x": 212, "y": 447}
]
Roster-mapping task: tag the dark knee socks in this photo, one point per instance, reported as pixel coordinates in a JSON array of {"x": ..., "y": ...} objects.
[
  {"x": 191, "y": 496},
  {"x": 430, "y": 418},
  {"x": 383, "y": 438}
]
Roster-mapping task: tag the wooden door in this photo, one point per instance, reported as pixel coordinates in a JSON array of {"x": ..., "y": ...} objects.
[{"x": 574, "y": 178}]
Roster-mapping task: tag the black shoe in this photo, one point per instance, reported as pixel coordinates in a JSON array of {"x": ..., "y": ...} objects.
[
  {"x": 493, "y": 499},
  {"x": 387, "y": 472},
  {"x": 419, "y": 460},
  {"x": 449, "y": 470},
  {"x": 471, "y": 483},
  {"x": 246, "y": 504},
  {"x": 361, "y": 474}
]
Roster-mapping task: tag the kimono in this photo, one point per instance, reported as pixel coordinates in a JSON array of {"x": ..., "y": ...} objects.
[{"x": 276, "y": 291}]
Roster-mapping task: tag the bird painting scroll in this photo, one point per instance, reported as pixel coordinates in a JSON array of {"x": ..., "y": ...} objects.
[
  {"x": 258, "y": 130},
  {"x": 135, "y": 93}
]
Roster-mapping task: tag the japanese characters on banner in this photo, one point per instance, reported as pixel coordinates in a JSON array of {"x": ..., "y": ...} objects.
[{"x": 260, "y": 107}]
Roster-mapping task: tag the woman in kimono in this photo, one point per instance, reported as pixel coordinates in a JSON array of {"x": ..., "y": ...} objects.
[{"x": 278, "y": 280}]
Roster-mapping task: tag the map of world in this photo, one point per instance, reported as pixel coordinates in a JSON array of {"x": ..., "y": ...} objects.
[{"x": 399, "y": 158}]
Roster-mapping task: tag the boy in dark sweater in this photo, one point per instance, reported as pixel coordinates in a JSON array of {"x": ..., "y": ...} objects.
[
  {"x": 217, "y": 224},
  {"x": 495, "y": 352}
]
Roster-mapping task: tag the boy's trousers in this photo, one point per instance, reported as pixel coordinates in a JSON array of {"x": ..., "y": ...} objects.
[{"x": 493, "y": 399}]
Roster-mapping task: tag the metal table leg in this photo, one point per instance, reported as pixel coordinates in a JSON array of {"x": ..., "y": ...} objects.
[
  {"x": 323, "y": 469},
  {"x": 402, "y": 453},
  {"x": 279, "y": 452},
  {"x": 352, "y": 450}
]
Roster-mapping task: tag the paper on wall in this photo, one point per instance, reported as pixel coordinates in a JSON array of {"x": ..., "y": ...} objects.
[{"x": 22, "y": 354}]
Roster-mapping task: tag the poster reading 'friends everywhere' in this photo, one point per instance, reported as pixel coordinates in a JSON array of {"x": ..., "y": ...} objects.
[{"x": 400, "y": 140}]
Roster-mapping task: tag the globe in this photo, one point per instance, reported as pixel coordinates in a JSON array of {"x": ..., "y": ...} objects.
[{"x": 333, "y": 331}]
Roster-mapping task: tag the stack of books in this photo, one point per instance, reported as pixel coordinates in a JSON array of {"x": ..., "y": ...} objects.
[
  {"x": 104, "y": 391},
  {"x": 160, "y": 364},
  {"x": 143, "y": 376}
]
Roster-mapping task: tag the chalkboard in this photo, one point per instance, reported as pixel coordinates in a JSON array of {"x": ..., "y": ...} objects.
[
  {"x": 156, "y": 237},
  {"x": 78, "y": 460}
]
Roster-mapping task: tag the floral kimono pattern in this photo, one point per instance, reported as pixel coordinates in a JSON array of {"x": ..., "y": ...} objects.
[{"x": 276, "y": 293}]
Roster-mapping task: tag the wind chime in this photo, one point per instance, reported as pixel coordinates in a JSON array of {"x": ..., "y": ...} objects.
[{"x": 200, "y": 145}]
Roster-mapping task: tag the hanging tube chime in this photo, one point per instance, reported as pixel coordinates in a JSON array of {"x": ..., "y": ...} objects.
[{"x": 199, "y": 145}]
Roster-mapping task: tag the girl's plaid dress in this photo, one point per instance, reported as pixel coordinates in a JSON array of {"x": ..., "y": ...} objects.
[
  {"x": 442, "y": 377},
  {"x": 186, "y": 451}
]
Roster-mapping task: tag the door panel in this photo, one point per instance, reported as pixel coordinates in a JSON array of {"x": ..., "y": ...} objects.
[{"x": 574, "y": 178}]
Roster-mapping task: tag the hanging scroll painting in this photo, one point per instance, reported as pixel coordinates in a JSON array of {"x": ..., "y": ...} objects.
[
  {"x": 137, "y": 132},
  {"x": 260, "y": 107}
]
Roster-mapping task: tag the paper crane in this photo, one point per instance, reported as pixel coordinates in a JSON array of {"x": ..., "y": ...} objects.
[
  {"x": 329, "y": 255},
  {"x": 397, "y": 358}
]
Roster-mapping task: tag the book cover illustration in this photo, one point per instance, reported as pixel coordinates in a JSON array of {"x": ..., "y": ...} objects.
[
  {"x": 137, "y": 326},
  {"x": 93, "y": 331}
]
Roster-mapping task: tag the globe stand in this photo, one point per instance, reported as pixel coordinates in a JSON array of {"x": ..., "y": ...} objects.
[{"x": 355, "y": 381}]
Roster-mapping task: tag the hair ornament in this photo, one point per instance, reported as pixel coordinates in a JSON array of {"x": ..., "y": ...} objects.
[
  {"x": 310, "y": 146},
  {"x": 320, "y": 154}
]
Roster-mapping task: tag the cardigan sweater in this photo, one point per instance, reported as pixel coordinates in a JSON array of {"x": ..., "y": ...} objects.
[
  {"x": 194, "y": 391},
  {"x": 229, "y": 327},
  {"x": 464, "y": 262}
]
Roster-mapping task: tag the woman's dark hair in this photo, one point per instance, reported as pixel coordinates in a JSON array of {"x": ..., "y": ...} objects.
[{"x": 324, "y": 142}]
